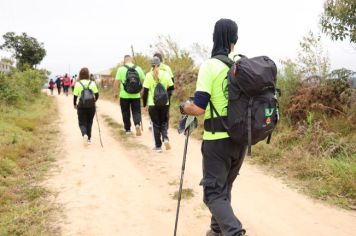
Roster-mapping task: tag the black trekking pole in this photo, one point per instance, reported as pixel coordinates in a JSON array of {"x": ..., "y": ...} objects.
[
  {"x": 97, "y": 120},
  {"x": 186, "y": 125}
]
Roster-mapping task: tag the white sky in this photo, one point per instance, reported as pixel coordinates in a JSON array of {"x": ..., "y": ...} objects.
[{"x": 96, "y": 34}]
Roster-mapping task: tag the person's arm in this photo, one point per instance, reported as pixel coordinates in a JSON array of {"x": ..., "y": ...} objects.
[
  {"x": 96, "y": 96},
  {"x": 145, "y": 97}
]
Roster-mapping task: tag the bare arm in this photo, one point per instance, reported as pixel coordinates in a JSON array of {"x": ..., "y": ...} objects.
[{"x": 191, "y": 109}]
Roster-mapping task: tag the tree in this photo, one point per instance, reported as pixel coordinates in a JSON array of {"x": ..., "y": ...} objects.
[
  {"x": 312, "y": 60},
  {"x": 27, "y": 51},
  {"x": 339, "y": 19}
]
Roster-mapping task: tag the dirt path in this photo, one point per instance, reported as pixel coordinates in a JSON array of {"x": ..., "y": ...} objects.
[{"x": 120, "y": 190}]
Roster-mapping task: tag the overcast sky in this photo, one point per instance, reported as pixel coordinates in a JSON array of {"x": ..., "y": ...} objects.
[{"x": 96, "y": 34}]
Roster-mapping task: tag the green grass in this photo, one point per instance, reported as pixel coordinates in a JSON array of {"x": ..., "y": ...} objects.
[
  {"x": 27, "y": 141},
  {"x": 119, "y": 133},
  {"x": 187, "y": 193}
]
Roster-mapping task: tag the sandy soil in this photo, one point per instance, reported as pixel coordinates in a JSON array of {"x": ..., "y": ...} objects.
[{"x": 117, "y": 190}]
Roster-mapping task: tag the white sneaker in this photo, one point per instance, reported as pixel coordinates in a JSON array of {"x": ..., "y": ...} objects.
[
  {"x": 128, "y": 132},
  {"x": 138, "y": 130},
  {"x": 167, "y": 145},
  {"x": 157, "y": 149},
  {"x": 85, "y": 139},
  {"x": 89, "y": 142}
]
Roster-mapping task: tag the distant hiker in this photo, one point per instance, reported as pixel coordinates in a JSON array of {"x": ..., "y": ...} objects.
[
  {"x": 73, "y": 80},
  {"x": 51, "y": 86},
  {"x": 222, "y": 159},
  {"x": 58, "y": 84},
  {"x": 88, "y": 94},
  {"x": 92, "y": 77},
  {"x": 66, "y": 84},
  {"x": 130, "y": 77},
  {"x": 167, "y": 69},
  {"x": 156, "y": 87}
]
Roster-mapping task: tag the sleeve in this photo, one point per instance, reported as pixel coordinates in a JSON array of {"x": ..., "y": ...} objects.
[
  {"x": 145, "y": 96},
  {"x": 119, "y": 74},
  {"x": 77, "y": 89},
  {"x": 141, "y": 74},
  {"x": 205, "y": 79},
  {"x": 146, "y": 83},
  {"x": 94, "y": 88},
  {"x": 169, "y": 71}
]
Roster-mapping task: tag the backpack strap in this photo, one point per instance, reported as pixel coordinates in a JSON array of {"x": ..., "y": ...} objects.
[
  {"x": 249, "y": 131},
  {"x": 225, "y": 59},
  {"x": 83, "y": 84}
]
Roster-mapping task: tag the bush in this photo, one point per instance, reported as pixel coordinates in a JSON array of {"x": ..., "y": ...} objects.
[{"x": 18, "y": 87}]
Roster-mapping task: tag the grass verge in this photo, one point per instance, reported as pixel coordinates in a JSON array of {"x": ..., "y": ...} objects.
[
  {"x": 119, "y": 133},
  {"x": 27, "y": 141}
]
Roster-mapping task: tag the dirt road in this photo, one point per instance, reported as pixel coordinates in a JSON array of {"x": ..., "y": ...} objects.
[{"x": 120, "y": 190}]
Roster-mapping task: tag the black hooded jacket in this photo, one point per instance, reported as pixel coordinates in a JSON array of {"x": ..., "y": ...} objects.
[{"x": 225, "y": 33}]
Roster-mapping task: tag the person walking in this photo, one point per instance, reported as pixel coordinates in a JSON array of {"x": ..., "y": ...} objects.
[
  {"x": 51, "y": 86},
  {"x": 66, "y": 84},
  {"x": 222, "y": 159},
  {"x": 88, "y": 94},
  {"x": 130, "y": 78},
  {"x": 73, "y": 80},
  {"x": 58, "y": 84},
  {"x": 155, "y": 95}
]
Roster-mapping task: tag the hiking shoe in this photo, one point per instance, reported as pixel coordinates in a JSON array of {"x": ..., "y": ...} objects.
[
  {"x": 128, "y": 132},
  {"x": 89, "y": 142},
  {"x": 85, "y": 139},
  {"x": 212, "y": 233},
  {"x": 157, "y": 149},
  {"x": 138, "y": 130},
  {"x": 167, "y": 145}
]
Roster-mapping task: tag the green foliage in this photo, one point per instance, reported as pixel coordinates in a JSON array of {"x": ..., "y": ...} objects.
[
  {"x": 339, "y": 19},
  {"x": 18, "y": 87},
  {"x": 26, "y": 50},
  {"x": 176, "y": 58},
  {"x": 312, "y": 61},
  {"x": 143, "y": 61}
]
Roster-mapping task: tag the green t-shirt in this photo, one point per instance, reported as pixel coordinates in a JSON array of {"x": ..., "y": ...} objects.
[
  {"x": 150, "y": 83},
  {"x": 121, "y": 76},
  {"x": 211, "y": 79},
  {"x": 79, "y": 88}
]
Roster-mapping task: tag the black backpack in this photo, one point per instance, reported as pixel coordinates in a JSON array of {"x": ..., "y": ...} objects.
[
  {"x": 87, "y": 98},
  {"x": 252, "y": 110},
  {"x": 160, "y": 95},
  {"x": 132, "y": 83}
]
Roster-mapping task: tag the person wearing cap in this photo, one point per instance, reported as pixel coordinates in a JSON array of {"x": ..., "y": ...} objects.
[
  {"x": 129, "y": 102},
  {"x": 163, "y": 66},
  {"x": 158, "y": 113},
  {"x": 222, "y": 159}
]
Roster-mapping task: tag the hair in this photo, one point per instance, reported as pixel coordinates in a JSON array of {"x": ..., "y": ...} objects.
[
  {"x": 159, "y": 55},
  {"x": 127, "y": 59},
  {"x": 84, "y": 73}
]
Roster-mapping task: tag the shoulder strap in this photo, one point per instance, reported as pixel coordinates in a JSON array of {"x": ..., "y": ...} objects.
[{"x": 225, "y": 59}]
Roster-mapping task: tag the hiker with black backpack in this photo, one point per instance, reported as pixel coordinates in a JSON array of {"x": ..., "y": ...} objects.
[
  {"x": 155, "y": 95},
  {"x": 130, "y": 78},
  {"x": 87, "y": 92},
  {"x": 237, "y": 98}
]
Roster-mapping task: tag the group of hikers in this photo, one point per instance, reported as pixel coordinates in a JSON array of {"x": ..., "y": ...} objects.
[{"x": 214, "y": 98}]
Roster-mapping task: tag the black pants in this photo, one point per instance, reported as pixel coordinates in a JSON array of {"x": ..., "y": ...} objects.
[
  {"x": 59, "y": 90},
  {"x": 85, "y": 118},
  {"x": 160, "y": 123},
  {"x": 222, "y": 160},
  {"x": 129, "y": 105}
]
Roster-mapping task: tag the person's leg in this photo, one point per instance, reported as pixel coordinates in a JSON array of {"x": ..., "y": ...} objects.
[
  {"x": 90, "y": 118},
  {"x": 136, "y": 114},
  {"x": 136, "y": 111},
  {"x": 82, "y": 120},
  {"x": 125, "y": 110},
  {"x": 154, "y": 114},
  {"x": 218, "y": 157},
  {"x": 164, "y": 126}
]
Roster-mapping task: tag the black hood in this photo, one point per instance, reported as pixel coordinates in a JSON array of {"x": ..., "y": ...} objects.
[{"x": 225, "y": 33}]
